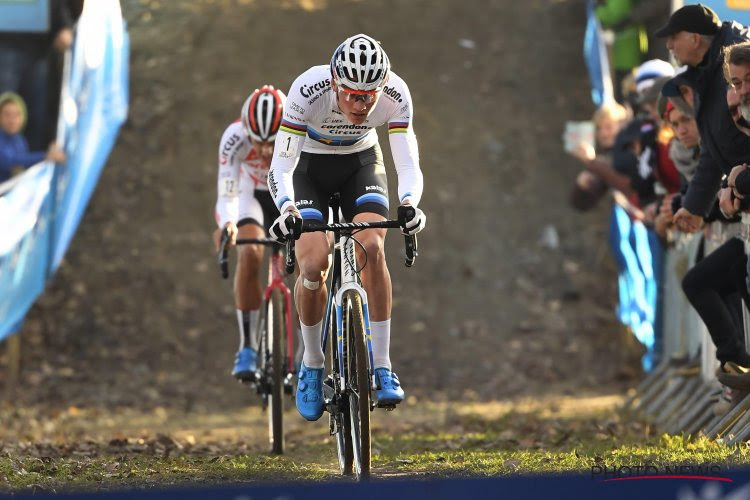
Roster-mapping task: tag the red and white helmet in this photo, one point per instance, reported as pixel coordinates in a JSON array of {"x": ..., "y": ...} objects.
[
  {"x": 261, "y": 113},
  {"x": 360, "y": 63}
]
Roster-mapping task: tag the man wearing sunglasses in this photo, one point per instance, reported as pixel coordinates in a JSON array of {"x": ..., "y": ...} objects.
[{"x": 327, "y": 143}]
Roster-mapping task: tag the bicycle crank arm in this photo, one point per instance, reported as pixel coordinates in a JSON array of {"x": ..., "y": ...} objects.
[{"x": 288, "y": 385}]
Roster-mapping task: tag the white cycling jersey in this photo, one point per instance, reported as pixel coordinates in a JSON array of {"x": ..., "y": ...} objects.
[
  {"x": 240, "y": 174},
  {"x": 312, "y": 123}
]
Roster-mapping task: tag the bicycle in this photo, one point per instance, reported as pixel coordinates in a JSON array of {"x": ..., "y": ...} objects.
[
  {"x": 347, "y": 390},
  {"x": 275, "y": 371}
]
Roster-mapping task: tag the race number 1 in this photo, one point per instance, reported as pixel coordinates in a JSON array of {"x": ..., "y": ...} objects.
[{"x": 289, "y": 147}]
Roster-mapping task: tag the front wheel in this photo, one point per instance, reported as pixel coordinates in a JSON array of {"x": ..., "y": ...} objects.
[
  {"x": 343, "y": 425},
  {"x": 358, "y": 384}
]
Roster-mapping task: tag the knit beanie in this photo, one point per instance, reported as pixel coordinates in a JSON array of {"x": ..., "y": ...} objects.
[{"x": 13, "y": 97}]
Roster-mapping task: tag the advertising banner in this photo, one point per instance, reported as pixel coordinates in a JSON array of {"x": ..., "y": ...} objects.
[{"x": 41, "y": 208}]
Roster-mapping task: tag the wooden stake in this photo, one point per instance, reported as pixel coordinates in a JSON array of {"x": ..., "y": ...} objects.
[{"x": 13, "y": 351}]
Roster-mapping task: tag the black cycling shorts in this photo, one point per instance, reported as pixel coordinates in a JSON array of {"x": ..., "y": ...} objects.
[
  {"x": 359, "y": 178},
  {"x": 267, "y": 206}
]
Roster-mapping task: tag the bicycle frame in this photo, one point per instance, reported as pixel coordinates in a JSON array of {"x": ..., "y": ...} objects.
[{"x": 349, "y": 281}]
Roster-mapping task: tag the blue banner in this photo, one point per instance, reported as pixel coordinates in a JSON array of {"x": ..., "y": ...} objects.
[
  {"x": 40, "y": 209},
  {"x": 578, "y": 487},
  {"x": 25, "y": 210},
  {"x": 94, "y": 105},
  {"x": 597, "y": 59},
  {"x": 24, "y": 15}
]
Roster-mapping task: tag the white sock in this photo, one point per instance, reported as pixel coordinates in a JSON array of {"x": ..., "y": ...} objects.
[
  {"x": 381, "y": 343},
  {"x": 313, "y": 356},
  {"x": 248, "y": 323}
]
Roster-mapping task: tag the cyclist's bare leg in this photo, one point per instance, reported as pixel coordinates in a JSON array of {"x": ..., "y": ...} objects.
[
  {"x": 247, "y": 290},
  {"x": 247, "y": 298},
  {"x": 375, "y": 276},
  {"x": 377, "y": 283},
  {"x": 313, "y": 253}
]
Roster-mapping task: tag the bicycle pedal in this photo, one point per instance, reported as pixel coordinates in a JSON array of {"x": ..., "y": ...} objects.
[{"x": 386, "y": 406}]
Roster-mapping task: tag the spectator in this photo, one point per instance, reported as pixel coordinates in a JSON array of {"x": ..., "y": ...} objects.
[
  {"x": 631, "y": 42},
  {"x": 641, "y": 149},
  {"x": 737, "y": 74},
  {"x": 666, "y": 176},
  {"x": 25, "y": 67},
  {"x": 598, "y": 175},
  {"x": 684, "y": 149},
  {"x": 14, "y": 151},
  {"x": 710, "y": 284},
  {"x": 680, "y": 92},
  {"x": 597, "y": 160},
  {"x": 733, "y": 103},
  {"x": 696, "y": 37}
]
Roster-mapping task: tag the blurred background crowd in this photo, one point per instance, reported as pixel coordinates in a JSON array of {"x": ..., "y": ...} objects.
[{"x": 669, "y": 141}]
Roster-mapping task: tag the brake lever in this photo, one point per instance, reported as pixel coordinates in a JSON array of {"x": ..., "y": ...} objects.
[
  {"x": 411, "y": 250},
  {"x": 405, "y": 214},
  {"x": 290, "y": 254}
]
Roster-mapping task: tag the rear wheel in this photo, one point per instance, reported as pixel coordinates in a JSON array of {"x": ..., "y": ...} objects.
[
  {"x": 277, "y": 337},
  {"x": 359, "y": 385}
]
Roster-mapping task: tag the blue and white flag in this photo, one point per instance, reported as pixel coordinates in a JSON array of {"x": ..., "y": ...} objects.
[
  {"x": 40, "y": 209},
  {"x": 596, "y": 58}
]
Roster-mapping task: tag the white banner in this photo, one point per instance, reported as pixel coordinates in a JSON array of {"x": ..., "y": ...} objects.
[{"x": 19, "y": 207}]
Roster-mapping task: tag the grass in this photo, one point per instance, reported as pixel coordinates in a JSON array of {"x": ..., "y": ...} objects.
[
  {"x": 106, "y": 472},
  {"x": 422, "y": 440}
]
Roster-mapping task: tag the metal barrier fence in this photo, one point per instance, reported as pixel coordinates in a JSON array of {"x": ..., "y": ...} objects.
[{"x": 682, "y": 394}]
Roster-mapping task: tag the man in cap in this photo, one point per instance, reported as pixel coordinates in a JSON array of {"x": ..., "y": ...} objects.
[{"x": 696, "y": 37}]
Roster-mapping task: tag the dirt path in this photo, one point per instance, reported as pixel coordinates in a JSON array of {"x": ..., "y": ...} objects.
[
  {"x": 137, "y": 316},
  {"x": 79, "y": 432}
]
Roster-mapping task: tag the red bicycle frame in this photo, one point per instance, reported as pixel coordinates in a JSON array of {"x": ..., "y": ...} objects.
[{"x": 276, "y": 282}]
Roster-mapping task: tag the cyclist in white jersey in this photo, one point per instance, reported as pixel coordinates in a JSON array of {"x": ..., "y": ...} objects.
[
  {"x": 327, "y": 143},
  {"x": 245, "y": 209}
]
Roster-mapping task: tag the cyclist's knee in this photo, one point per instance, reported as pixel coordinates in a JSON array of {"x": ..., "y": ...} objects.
[
  {"x": 313, "y": 263},
  {"x": 372, "y": 244},
  {"x": 313, "y": 256},
  {"x": 250, "y": 255},
  {"x": 313, "y": 268}
]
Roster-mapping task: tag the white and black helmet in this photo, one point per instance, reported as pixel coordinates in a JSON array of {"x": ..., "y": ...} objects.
[{"x": 360, "y": 63}]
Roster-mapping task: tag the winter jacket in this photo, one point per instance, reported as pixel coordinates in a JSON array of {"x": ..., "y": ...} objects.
[
  {"x": 14, "y": 152},
  {"x": 722, "y": 145}
]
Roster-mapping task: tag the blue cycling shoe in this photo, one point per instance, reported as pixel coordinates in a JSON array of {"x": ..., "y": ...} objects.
[
  {"x": 389, "y": 391},
  {"x": 245, "y": 364},
  {"x": 310, "y": 402}
]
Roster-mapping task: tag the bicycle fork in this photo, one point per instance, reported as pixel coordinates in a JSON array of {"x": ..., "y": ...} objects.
[{"x": 349, "y": 282}]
